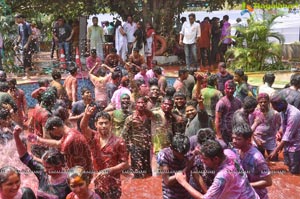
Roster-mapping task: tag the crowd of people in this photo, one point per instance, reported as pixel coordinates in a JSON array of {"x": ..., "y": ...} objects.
[{"x": 207, "y": 135}]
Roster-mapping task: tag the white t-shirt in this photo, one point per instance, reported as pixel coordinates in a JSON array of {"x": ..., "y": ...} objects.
[{"x": 190, "y": 32}]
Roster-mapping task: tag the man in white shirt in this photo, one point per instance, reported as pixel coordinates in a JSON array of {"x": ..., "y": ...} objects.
[
  {"x": 189, "y": 34},
  {"x": 95, "y": 38},
  {"x": 129, "y": 28}
]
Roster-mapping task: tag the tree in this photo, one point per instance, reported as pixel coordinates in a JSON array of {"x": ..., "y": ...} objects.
[{"x": 254, "y": 51}]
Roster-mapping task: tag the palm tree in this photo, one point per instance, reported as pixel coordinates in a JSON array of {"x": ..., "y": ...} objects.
[{"x": 254, "y": 51}]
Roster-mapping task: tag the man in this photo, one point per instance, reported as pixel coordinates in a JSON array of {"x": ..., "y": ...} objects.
[
  {"x": 61, "y": 35},
  {"x": 189, "y": 83},
  {"x": 225, "y": 34},
  {"x": 241, "y": 116},
  {"x": 137, "y": 135},
  {"x": 189, "y": 34},
  {"x": 71, "y": 85},
  {"x": 129, "y": 28},
  {"x": 211, "y": 96},
  {"x": 113, "y": 59},
  {"x": 265, "y": 123},
  {"x": 95, "y": 38},
  {"x": 24, "y": 39},
  {"x": 183, "y": 74},
  {"x": 179, "y": 103},
  {"x": 113, "y": 85},
  {"x": 292, "y": 94},
  {"x": 162, "y": 81},
  {"x": 252, "y": 160},
  {"x": 142, "y": 74},
  {"x": 108, "y": 151},
  {"x": 242, "y": 89},
  {"x": 119, "y": 115},
  {"x": 61, "y": 91},
  {"x": 204, "y": 42},
  {"x": 268, "y": 81},
  {"x": 196, "y": 117},
  {"x": 290, "y": 134},
  {"x": 154, "y": 100},
  {"x": 69, "y": 141},
  {"x": 225, "y": 109},
  {"x": 92, "y": 60},
  {"x": 223, "y": 76},
  {"x": 137, "y": 60},
  {"x": 230, "y": 180},
  {"x": 171, "y": 160},
  {"x": 18, "y": 96},
  {"x": 79, "y": 107}
]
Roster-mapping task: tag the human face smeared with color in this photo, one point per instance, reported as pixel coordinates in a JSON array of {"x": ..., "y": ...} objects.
[
  {"x": 140, "y": 104},
  {"x": 78, "y": 185},
  {"x": 263, "y": 104},
  {"x": 167, "y": 106},
  {"x": 125, "y": 101},
  {"x": 190, "y": 112},
  {"x": 229, "y": 90}
]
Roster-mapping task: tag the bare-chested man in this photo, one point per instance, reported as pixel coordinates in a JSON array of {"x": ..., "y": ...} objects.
[{"x": 70, "y": 85}]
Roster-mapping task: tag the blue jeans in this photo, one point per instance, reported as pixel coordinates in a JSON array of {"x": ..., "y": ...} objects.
[
  {"x": 66, "y": 46},
  {"x": 190, "y": 51}
]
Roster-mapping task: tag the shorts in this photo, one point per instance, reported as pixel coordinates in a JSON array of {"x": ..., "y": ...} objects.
[{"x": 292, "y": 160}]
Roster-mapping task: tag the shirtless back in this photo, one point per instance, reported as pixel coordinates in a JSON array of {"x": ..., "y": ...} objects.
[{"x": 70, "y": 85}]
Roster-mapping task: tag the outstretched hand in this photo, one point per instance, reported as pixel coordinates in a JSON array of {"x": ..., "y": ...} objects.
[{"x": 89, "y": 110}]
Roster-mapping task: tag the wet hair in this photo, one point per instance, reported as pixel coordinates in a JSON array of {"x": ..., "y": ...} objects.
[
  {"x": 48, "y": 98},
  {"x": 153, "y": 81},
  {"x": 230, "y": 83},
  {"x": 115, "y": 75},
  {"x": 249, "y": 102},
  {"x": 277, "y": 98},
  {"x": 84, "y": 89},
  {"x": 4, "y": 114},
  {"x": 192, "y": 103},
  {"x": 179, "y": 94},
  {"x": 239, "y": 72},
  {"x": 72, "y": 70},
  {"x": 205, "y": 134},
  {"x": 12, "y": 81},
  {"x": 54, "y": 157},
  {"x": 170, "y": 90},
  {"x": 269, "y": 78},
  {"x": 211, "y": 149},
  {"x": 182, "y": 71},
  {"x": 295, "y": 80},
  {"x": 102, "y": 114},
  {"x": 7, "y": 171},
  {"x": 242, "y": 129},
  {"x": 53, "y": 122},
  {"x": 167, "y": 98},
  {"x": 157, "y": 70},
  {"x": 56, "y": 74},
  {"x": 180, "y": 143},
  {"x": 78, "y": 171},
  {"x": 43, "y": 82},
  {"x": 211, "y": 80},
  {"x": 61, "y": 112},
  {"x": 4, "y": 87},
  {"x": 142, "y": 98}
]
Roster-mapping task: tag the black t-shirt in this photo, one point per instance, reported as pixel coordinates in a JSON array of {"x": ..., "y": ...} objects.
[{"x": 62, "y": 32}]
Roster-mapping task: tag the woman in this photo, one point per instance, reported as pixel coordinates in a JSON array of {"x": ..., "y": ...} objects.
[
  {"x": 120, "y": 40},
  {"x": 79, "y": 181},
  {"x": 52, "y": 180},
  {"x": 140, "y": 38},
  {"x": 10, "y": 185},
  {"x": 150, "y": 45}
]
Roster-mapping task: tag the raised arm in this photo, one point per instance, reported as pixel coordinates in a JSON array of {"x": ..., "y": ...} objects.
[
  {"x": 21, "y": 148},
  {"x": 84, "y": 124}
]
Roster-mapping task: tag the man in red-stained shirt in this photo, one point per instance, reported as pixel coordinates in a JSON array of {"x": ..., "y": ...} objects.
[{"x": 109, "y": 152}]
